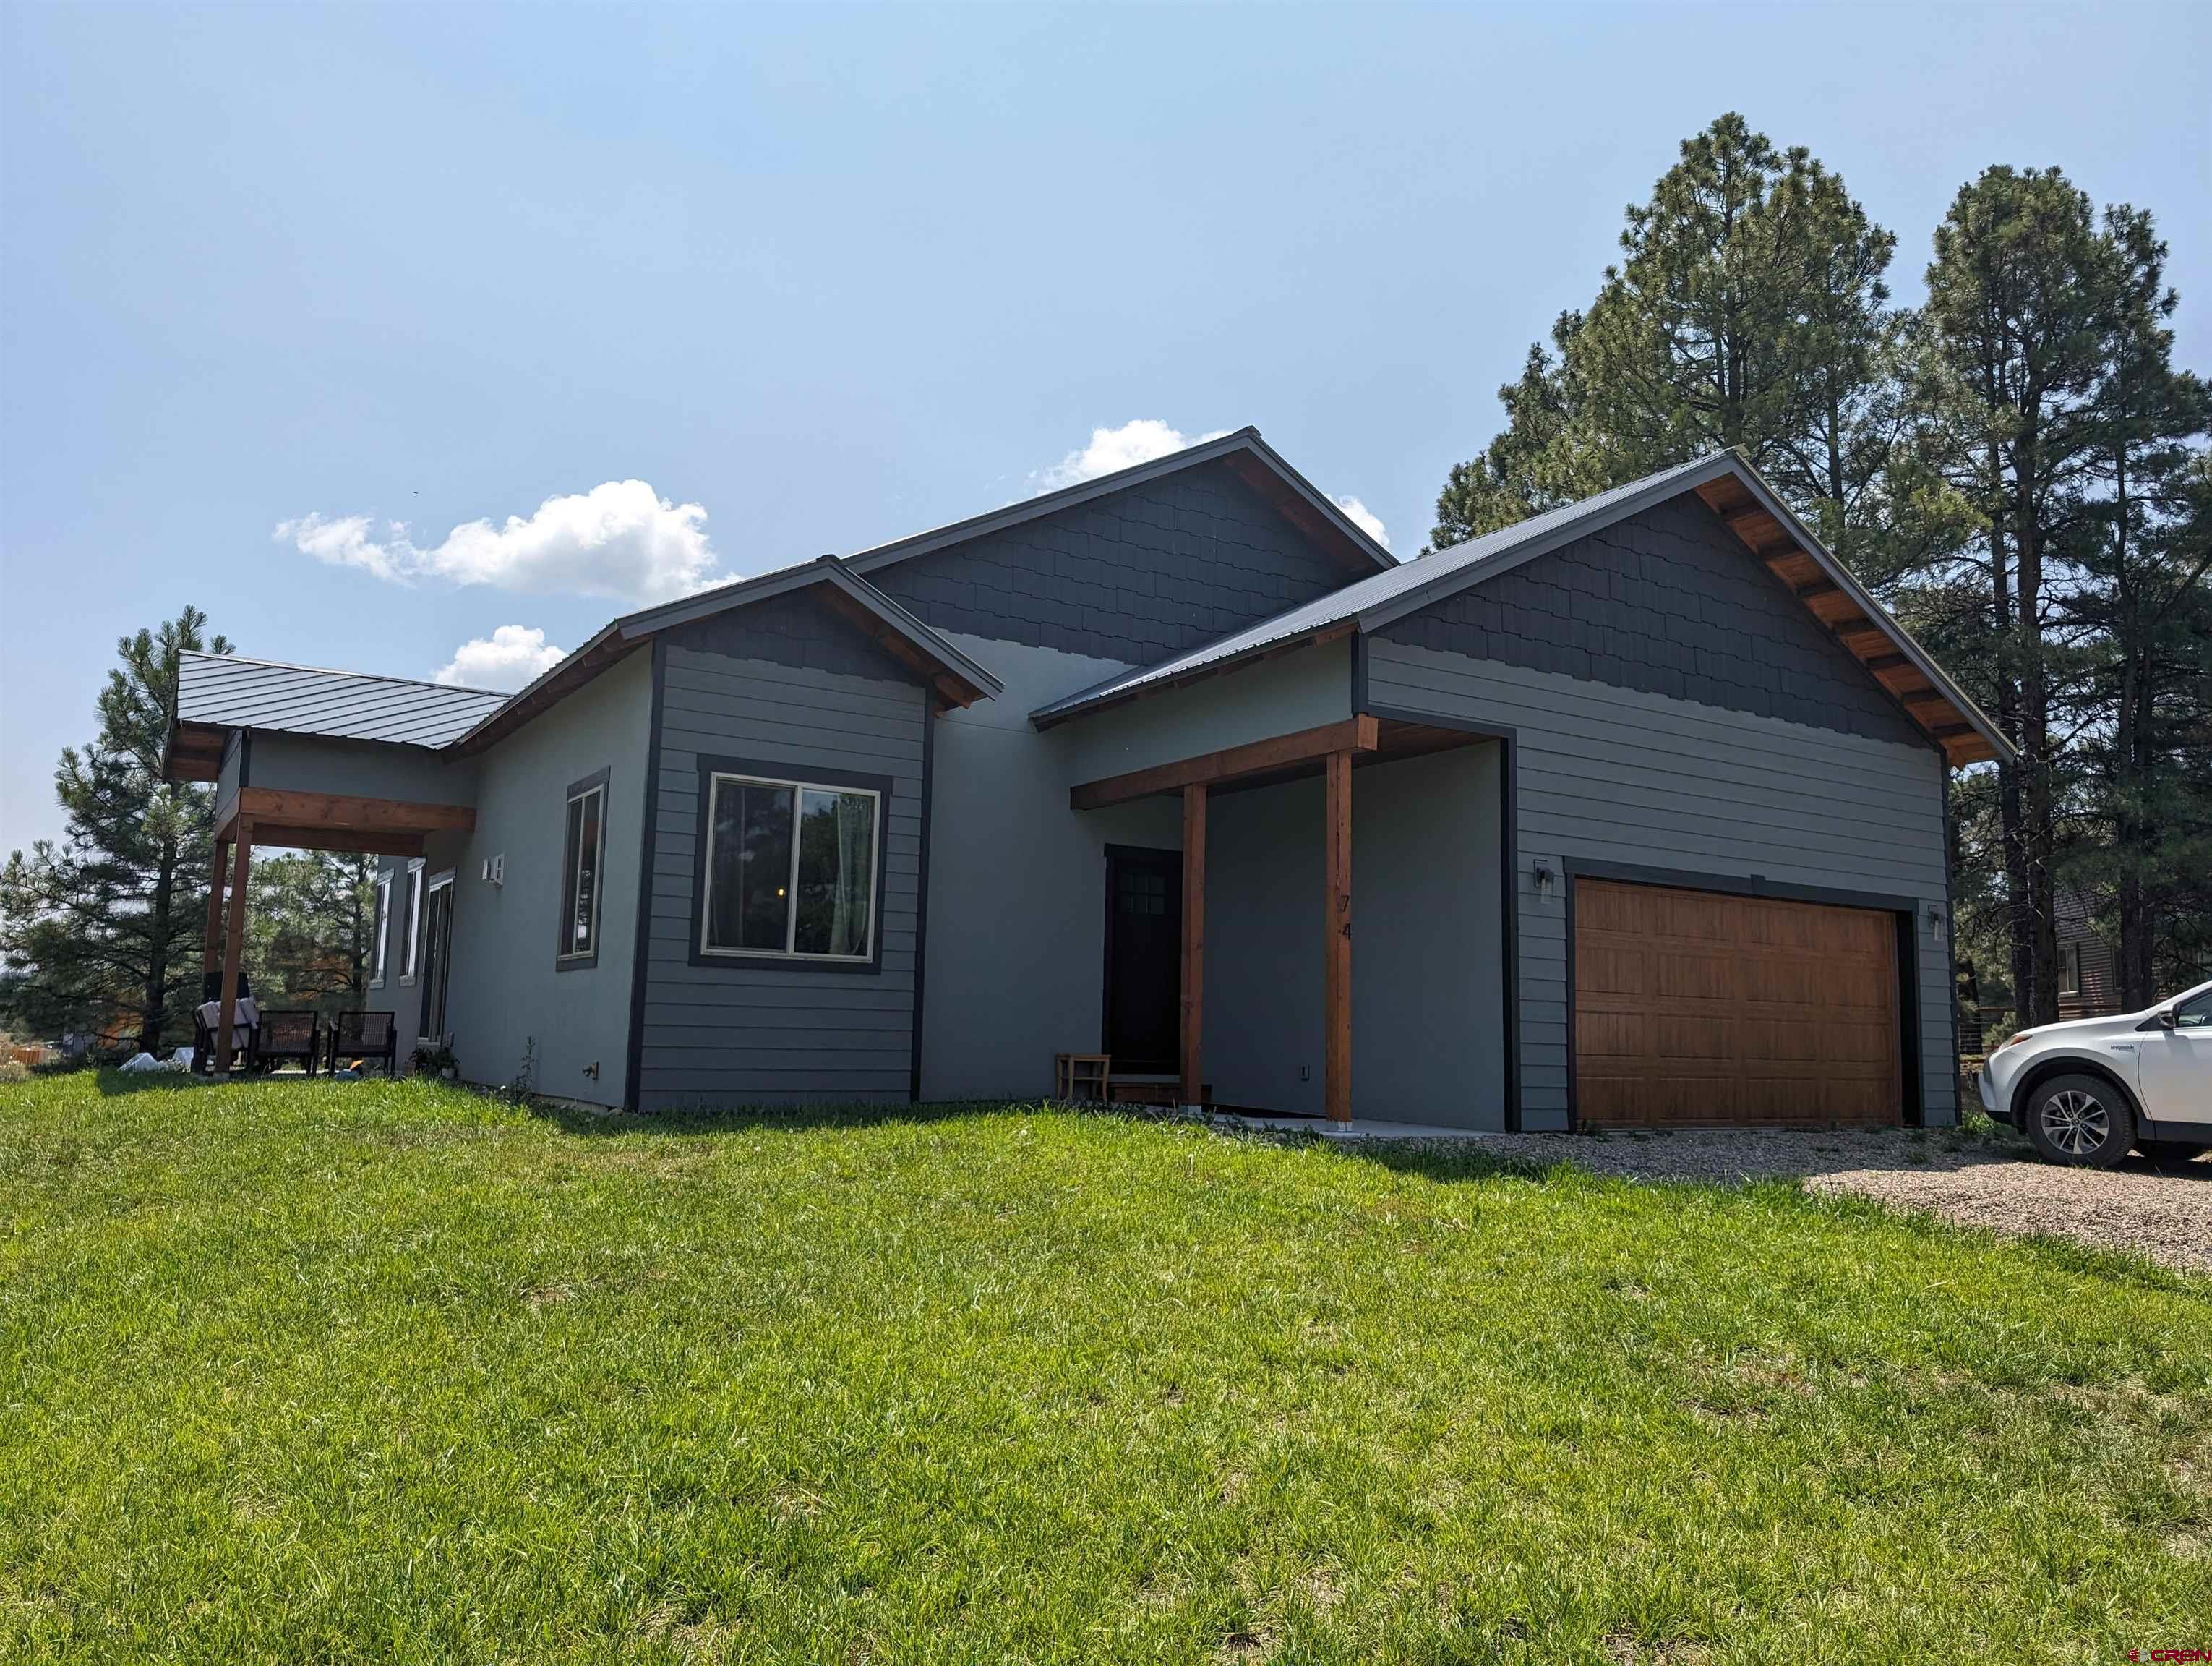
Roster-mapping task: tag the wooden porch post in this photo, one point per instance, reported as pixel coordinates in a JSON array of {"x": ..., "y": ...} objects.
[
  {"x": 1336, "y": 1011},
  {"x": 234, "y": 946},
  {"x": 211, "y": 939},
  {"x": 1192, "y": 1088}
]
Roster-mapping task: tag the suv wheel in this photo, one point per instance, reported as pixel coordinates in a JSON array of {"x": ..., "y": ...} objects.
[{"x": 2082, "y": 1120}]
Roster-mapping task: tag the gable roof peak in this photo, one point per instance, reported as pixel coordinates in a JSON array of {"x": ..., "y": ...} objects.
[{"x": 1311, "y": 510}]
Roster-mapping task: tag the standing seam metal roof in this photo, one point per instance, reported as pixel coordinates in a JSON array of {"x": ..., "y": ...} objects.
[{"x": 261, "y": 694}]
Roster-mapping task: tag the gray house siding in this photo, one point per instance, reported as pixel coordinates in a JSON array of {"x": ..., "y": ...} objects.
[
  {"x": 360, "y": 768},
  {"x": 1018, "y": 884},
  {"x": 1428, "y": 1033},
  {"x": 507, "y": 990},
  {"x": 1133, "y": 578},
  {"x": 1302, "y": 690},
  {"x": 790, "y": 694},
  {"x": 506, "y": 995},
  {"x": 1669, "y": 603},
  {"x": 1606, "y": 774}
]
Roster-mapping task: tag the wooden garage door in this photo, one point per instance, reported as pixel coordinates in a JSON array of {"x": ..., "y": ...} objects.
[{"x": 1692, "y": 1007}]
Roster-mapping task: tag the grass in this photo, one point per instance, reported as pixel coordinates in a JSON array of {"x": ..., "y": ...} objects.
[{"x": 351, "y": 1372}]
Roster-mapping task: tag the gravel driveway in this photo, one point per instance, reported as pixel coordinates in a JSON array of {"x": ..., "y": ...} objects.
[{"x": 2163, "y": 1210}]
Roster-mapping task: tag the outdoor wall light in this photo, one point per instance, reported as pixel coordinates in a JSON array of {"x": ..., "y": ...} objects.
[{"x": 1544, "y": 878}]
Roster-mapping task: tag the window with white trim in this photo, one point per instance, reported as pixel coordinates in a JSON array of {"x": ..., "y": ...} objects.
[
  {"x": 411, "y": 924},
  {"x": 790, "y": 869},
  {"x": 380, "y": 932},
  {"x": 582, "y": 851}
]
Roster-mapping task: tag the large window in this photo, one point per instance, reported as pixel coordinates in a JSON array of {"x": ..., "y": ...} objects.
[
  {"x": 582, "y": 858},
  {"x": 411, "y": 924},
  {"x": 381, "y": 932},
  {"x": 790, "y": 869}
]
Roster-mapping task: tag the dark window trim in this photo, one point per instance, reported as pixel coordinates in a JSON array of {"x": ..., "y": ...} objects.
[
  {"x": 770, "y": 963},
  {"x": 596, "y": 781},
  {"x": 1508, "y": 862},
  {"x": 1903, "y": 910}
]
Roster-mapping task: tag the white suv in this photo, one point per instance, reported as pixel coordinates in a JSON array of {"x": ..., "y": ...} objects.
[{"x": 2085, "y": 1091}]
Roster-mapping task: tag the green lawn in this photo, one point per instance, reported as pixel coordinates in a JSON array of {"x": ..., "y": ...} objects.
[{"x": 354, "y": 1372}]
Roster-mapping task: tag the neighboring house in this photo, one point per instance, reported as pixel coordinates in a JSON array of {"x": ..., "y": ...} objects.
[
  {"x": 2088, "y": 976},
  {"x": 1639, "y": 807}
]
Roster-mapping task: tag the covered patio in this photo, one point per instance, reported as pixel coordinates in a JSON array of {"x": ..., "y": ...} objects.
[
  {"x": 259, "y": 733},
  {"x": 1337, "y": 753}
]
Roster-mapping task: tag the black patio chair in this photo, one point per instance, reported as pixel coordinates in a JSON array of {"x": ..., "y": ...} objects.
[
  {"x": 368, "y": 1037},
  {"x": 289, "y": 1036}
]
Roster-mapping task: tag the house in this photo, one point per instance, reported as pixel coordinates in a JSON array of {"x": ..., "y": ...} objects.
[
  {"x": 2088, "y": 971},
  {"x": 1639, "y": 807}
]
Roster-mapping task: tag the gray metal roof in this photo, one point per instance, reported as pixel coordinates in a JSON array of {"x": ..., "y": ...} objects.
[
  {"x": 261, "y": 694},
  {"x": 1376, "y": 601}
]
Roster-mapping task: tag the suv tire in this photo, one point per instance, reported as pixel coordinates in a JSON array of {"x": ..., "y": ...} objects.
[{"x": 2080, "y": 1121}]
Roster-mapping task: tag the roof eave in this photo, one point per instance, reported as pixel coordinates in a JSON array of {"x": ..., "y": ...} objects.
[
  {"x": 1842, "y": 577},
  {"x": 1080, "y": 704}
]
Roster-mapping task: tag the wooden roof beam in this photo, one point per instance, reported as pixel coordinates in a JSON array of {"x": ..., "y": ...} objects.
[{"x": 1353, "y": 734}]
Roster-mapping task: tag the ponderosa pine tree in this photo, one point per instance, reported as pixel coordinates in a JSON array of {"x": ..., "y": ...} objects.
[
  {"x": 2145, "y": 551},
  {"x": 2012, "y": 356},
  {"x": 105, "y": 925},
  {"x": 1749, "y": 310}
]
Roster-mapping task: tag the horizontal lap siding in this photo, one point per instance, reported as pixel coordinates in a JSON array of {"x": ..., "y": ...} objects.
[
  {"x": 775, "y": 1033},
  {"x": 1611, "y": 775}
]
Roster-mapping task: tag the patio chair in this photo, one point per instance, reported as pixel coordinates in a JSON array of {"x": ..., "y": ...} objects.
[
  {"x": 366, "y": 1036},
  {"x": 290, "y": 1036},
  {"x": 245, "y": 1031}
]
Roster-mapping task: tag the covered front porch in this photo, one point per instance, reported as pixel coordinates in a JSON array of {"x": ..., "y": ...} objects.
[
  {"x": 1270, "y": 1013},
  {"x": 276, "y": 819}
]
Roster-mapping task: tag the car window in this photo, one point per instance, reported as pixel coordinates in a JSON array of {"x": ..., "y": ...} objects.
[{"x": 2195, "y": 1014}]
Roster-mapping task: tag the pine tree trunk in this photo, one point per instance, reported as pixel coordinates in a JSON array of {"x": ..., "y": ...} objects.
[{"x": 2040, "y": 994}]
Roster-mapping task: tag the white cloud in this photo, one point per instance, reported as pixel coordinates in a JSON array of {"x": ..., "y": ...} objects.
[
  {"x": 1122, "y": 447},
  {"x": 508, "y": 658},
  {"x": 1363, "y": 517},
  {"x": 620, "y": 540}
]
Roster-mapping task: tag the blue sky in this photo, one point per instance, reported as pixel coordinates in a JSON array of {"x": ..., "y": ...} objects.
[{"x": 818, "y": 277}]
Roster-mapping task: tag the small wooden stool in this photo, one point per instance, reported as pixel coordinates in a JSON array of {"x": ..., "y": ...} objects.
[{"x": 1086, "y": 1076}]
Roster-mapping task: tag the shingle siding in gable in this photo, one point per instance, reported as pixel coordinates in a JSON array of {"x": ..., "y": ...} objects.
[
  {"x": 1134, "y": 576},
  {"x": 1669, "y": 602},
  {"x": 796, "y": 631}
]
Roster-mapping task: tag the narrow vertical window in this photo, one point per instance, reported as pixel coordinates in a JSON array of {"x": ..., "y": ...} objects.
[
  {"x": 582, "y": 857},
  {"x": 380, "y": 932},
  {"x": 411, "y": 924}
]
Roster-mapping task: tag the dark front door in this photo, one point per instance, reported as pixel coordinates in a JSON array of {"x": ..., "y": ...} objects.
[{"x": 1144, "y": 957}]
